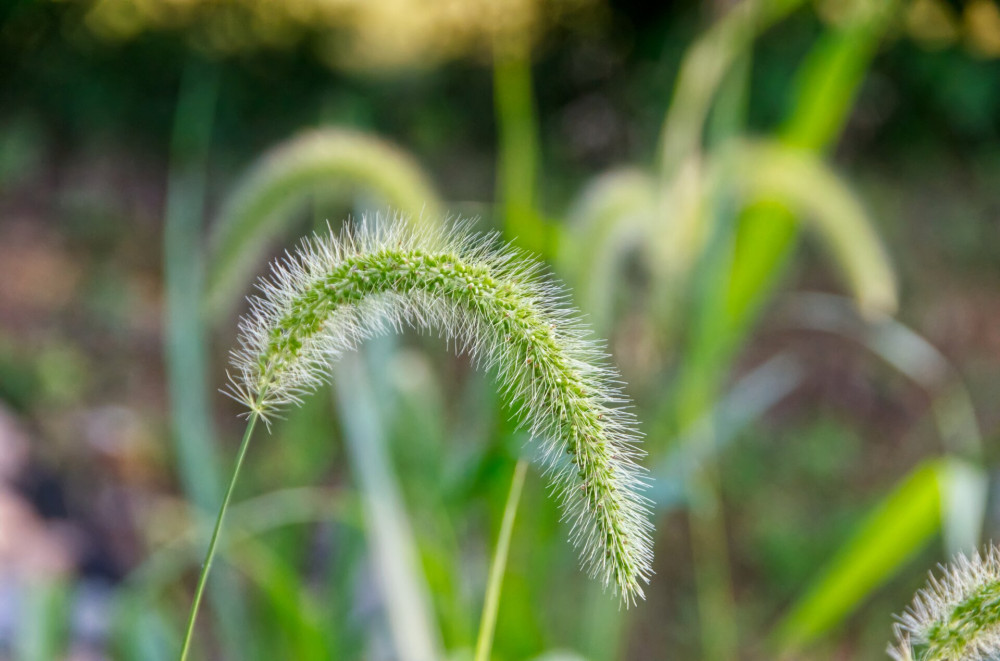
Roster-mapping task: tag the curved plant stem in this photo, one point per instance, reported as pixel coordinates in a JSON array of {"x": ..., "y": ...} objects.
[
  {"x": 213, "y": 543},
  {"x": 487, "y": 624}
]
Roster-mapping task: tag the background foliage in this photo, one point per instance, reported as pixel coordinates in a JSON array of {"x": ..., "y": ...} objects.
[{"x": 781, "y": 214}]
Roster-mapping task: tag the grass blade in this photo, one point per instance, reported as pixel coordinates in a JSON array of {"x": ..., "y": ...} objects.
[
  {"x": 491, "y": 604},
  {"x": 186, "y": 355},
  {"x": 518, "y": 148},
  {"x": 42, "y": 621},
  {"x": 702, "y": 72},
  {"x": 897, "y": 527},
  {"x": 414, "y": 633},
  {"x": 747, "y": 401},
  {"x": 185, "y": 344},
  {"x": 768, "y": 170},
  {"x": 908, "y": 352}
]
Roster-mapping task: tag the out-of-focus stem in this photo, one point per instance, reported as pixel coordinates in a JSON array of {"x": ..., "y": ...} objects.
[
  {"x": 713, "y": 578},
  {"x": 488, "y": 621},
  {"x": 517, "y": 134},
  {"x": 185, "y": 351}
]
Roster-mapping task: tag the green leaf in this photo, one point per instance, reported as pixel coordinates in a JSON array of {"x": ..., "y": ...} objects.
[
  {"x": 390, "y": 535},
  {"x": 766, "y": 169},
  {"x": 897, "y": 527},
  {"x": 42, "y": 621}
]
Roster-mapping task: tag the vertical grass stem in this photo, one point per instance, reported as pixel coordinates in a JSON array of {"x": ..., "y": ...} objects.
[
  {"x": 491, "y": 604},
  {"x": 214, "y": 542}
]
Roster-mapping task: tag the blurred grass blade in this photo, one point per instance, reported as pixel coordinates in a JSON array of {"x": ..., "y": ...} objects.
[
  {"x": 296, "y": 613},
  {"x": 951, "y": 403},
  {"x": 42, "y": 621},
  {"x": 517, "y": 169},
  {"x": 610, "y": 217},
  {"x": 286, "y": 177},
  {"x": 766, "y": 169},
  {"x": 422, "y": 438},
  {"x": 897, "y": 527},
  {"x": 831, "y": 75},
  {"x": 707, "y": 73},
  {"x": 249, "y": 518},
  {"x": 747, "y": 401},
  {"x": 911, "y": 354},
  {"x": 183, "y": 263},
  {"x": 559, "y": 655},
  {"x": 702, "y": 73},
  {"x": 767, "y": 229},
  {"x": 145, "y": 636},
  {"x": 727, "y": 307},
  {"x": 391, "y": 540},
  {"x": 246, "y": 521},
  {"x": 491, "y": 604},
  {"x": 603, "y": 626},
  {"x": 185, "y": 342},
  {"x": 963, "y": 507},
  {"x": 827, "y": 83},
  {"x": 682, "y": 228}
]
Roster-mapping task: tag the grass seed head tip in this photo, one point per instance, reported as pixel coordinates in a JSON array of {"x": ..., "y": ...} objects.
[{"x": 956, "y": 616}]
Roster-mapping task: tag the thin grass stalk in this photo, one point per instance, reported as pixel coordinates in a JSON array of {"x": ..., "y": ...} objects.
[
  {"x": 702, "y": 72},
  {"x": 712, "y": 569},
  {"x": 491, "y": 604},
  {"x": 213, "y": 543},
  {"x": 247, "y": 521}
]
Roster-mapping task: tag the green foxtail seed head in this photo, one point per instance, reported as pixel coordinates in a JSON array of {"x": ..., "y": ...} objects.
[
  {"x": 492, "y": 303},
  {"x": 955, "y": 617}
]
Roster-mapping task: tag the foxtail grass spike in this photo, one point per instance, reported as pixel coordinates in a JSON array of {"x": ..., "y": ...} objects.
[
  {"x": 956, "y": 617},
  {"x": 263, "y": 202},
  {"x": 489, "y": 301}
]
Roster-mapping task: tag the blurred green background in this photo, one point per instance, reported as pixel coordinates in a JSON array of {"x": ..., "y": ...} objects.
[{"x": 782, "y": 215}]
